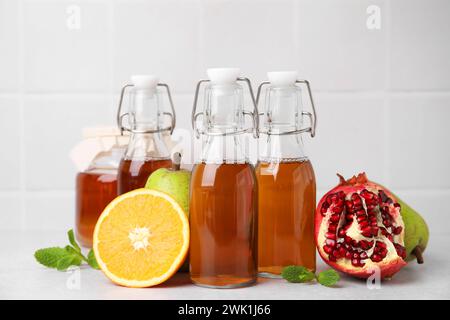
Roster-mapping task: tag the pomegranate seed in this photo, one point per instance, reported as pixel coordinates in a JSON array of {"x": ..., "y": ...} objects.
[
  {"x": 363, "y": 255},
  {"x": 361, "y": 263},
  {"x": 330, "y": 235},
  {"x": 390, "y": 237},
  {"x": 364, "y": 224},
  {"x": 337, "y": 209},
  {"x": 348, "y": 255},
  {"x": 376, "y": 258},
  {"x": 335, "y": 218},
  {"x": 355, "y": 243},
  {"x": 387, "y": 223},
  {"x": 349, "y": 217},
  {"x": 355, "y": 262},
  {"x": 332, "y": 198},
  {"x": 336, "y": 254},
  {"x": 327, "y": 249},
  {"x": 383, "y": 252},
  {"x": 332, "y": 258},
  {"x": 342, "y": 252},
  {"x": 366, "y": 232},
  {"x": 330, "y": 242},
  {"x": 341, "y": 233},
  {"x": 360, "y": 213},
  {"x": 361, "y": 218},
  {"x": 397, "y": 230},
  {"x": 367, "y": 195},
  {"x": 332, "y": 228},
  {"x": 375, "y": 231},
  {"x": 381, "y": 244},
  {"x": 348, "y": 204},
  {"x": 364, "y": 244},
  {"x": 348, "y": 240}
]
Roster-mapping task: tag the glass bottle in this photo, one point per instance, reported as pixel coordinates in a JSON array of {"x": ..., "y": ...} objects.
[
  {"x": 286, "y": 182},
  {"x": 223, "y": 192},
  {"x": 147, "y": 151},
  {"x": 96, "y": 186}
]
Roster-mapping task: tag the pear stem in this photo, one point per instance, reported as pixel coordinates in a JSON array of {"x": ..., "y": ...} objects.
[
  {"x": 418, "y": 253},
  {"x": 176, "y": 161}
]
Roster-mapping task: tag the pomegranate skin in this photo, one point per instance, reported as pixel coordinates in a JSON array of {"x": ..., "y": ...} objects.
[{"x": 387, "y": 268}]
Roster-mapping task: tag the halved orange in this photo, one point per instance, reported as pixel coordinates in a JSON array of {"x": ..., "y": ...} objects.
[{"x": 141, "y": 238}]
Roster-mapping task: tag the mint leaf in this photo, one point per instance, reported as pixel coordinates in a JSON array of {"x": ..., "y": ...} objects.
[
  {"x": 63, "y": 258},
  {"x": 72, "y": 240},
  {"x": 68, "y": 261},
  {"x": 297, "y": 274},
  {"x": 328, "y": 278},
  {"x": 91, "y": 260},
  {"x": 307, "y": 276},
  {"x": 49, "y": 257}
]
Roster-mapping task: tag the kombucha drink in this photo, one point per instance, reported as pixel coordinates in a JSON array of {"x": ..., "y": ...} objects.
[
  {"x": 147, "y": 150},
  {"x": 223, "y": 221},
  {"x": 94, "y": 191},
  {"x": 223, "y": 191},
  {"x": 286, "y": 182},
  {"x": 133, "y": 173},
  {"x": 287, "y": 198}
]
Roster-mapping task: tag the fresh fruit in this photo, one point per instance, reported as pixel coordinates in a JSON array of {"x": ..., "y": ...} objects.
[
  {"x": 141, "y": 238},
  {"x": 174, "y": 182},
  {"x": 416, "y": 233},
  {"x": 359, "y": 226}
]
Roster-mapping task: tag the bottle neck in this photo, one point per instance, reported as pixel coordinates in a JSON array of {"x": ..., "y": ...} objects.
[
  {"x": 282, "y": 148},
  {"x": 144, "y": 110},
  {"x": 225, "y": 149},
  {"x": 148, "y": 146}
]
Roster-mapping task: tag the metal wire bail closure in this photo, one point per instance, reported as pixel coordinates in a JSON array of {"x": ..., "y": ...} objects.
[
  {"x": 253, "y": 114},
  {"x": 120, "y": 116},
  {"x": 312, "y": 116}
]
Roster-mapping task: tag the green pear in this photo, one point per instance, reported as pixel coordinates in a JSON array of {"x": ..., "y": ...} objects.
[
  {"x": 174, "y": 182},
  {"x": 416, "y": 232}
]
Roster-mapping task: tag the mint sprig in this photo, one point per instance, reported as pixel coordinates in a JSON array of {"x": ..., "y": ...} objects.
[
  {"x": 300, "y": 274},
  {"x": 63, "y": 258},
  {"x": 328, "y": 278}
]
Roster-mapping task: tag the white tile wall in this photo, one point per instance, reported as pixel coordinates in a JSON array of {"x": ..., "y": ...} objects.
[
  {"x": 419, "y": 44},
  {"x": 349, "y": 138},
  {"x": 10, "y": 171},
  {"x": 158, "y": 37},
  {"x": 9, "y": 45},
  {"x": 53, "y": 126},
  {"x": 336, "y": 49},
  {"x": 59, "y": 56},
  {"x": 383, "y": 96}
]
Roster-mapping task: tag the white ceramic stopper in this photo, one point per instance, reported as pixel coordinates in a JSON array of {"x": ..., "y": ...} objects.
[
  {"x": 282, "y": 78},
  {"x": 223, "y": 75},
  {"x": 144, "y": 81}
]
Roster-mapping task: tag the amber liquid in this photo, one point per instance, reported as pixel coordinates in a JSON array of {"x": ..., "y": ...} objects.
[
  {"x": 133, "y": 174},
  {"x": 94, "y": 191},
  {"x": 287, "y": 201},
  {"x": 223, "y": 218}
]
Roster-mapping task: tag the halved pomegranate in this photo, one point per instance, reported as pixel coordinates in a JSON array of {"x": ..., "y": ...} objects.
[{"x": 358, "y": 226}]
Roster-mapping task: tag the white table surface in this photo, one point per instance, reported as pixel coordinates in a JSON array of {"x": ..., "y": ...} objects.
[{"x": 22, "y": 278}]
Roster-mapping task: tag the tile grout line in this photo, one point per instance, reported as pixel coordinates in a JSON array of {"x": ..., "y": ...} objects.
[
  {"x": 22, "y": 152},
  {"x": 111, "y": 44},
  {"x": 386, "y": 97}
]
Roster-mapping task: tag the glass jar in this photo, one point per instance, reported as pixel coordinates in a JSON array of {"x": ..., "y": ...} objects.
[{"x": 96, "y": 185}]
